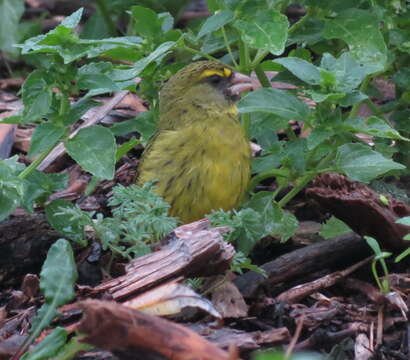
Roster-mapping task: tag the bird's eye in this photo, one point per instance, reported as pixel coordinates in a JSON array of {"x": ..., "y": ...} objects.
[{"x": 215, "y": 79}]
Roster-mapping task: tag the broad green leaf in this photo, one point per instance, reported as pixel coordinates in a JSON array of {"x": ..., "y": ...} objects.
[
  {"x": 65, "y": 218},
  {"x": 274, "y": 101},
  {"x": 360, "y": 30},
  {"x": 404, "y": 220},
  {"x": 144, "y": 123},
  {"x": 44, "y": 136},
  {"x": 360, "y": 163},
  {"x": 294, "y": 155},
  {"x": 334, "y": 227},
  {"x": 99, "y": 82},
  {"x": 40, "y": 186},
  {"x": 78, "y": 109},
  {"x": 215, "y": 22},
  {"x": 37, "y": 96},
  {"x": 57, "y": 278},
  {"x": 373, "y": 126},
  {"x": 94, "y": 149},
  {"x": 146, "y": 21},
  {"x": 160, "y": 51},
  {"x": 10, "y": 14},
  {"x": 310, "y": 32},
  {"x": 347, "y": 71},
  {"x": 12, "y": 188},
  {"x": 73, "y": 20},
  {"x": 267, "y": 30},
  {"x": 302, "y": 69},
  {"x": 49, "y": 346},
  {"x": 276, "y": 222},
  {"x": 318, "y": 136}
]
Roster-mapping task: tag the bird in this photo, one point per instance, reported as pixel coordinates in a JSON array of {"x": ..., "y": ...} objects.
[{"x": 200, "y": 156}]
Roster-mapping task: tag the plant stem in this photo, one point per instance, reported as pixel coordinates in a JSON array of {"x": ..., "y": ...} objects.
[
  {"x": 262, "y": 76},
  {"x": 29, "y": 169},
  {"x": 102, "y": 7},
  {"x": 305, "y": 180},
  {"x": 244, "y": 61},
  {"x": 266, "y": 175},
  {"x": 260, "y": 55},
  {"x": 200, "y": 53},
  {"x": 228, "y": 47}
]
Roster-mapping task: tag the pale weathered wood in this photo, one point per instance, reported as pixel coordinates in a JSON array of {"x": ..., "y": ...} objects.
[{"x": 192, "y": 253}]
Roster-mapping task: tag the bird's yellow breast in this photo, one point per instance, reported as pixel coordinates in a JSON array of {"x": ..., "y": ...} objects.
[{"x": 201, "y": 167}]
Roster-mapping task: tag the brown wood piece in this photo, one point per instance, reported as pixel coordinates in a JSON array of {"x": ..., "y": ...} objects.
[
  {"x": 115, "y": 327},
  {"x": 203, "y": 252},
  {"x": 303, "y": 261},
  {"x": 24, "y": 241}
]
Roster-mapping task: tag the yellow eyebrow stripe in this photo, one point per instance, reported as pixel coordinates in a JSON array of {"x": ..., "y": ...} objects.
[{"x": 207, "y": 73}]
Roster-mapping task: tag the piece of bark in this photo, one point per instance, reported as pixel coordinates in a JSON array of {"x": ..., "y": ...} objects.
[
  {"x": 24, "y": 242},
  {"x": 244, "y": 341},
  {"x": 303, "y": 261},
  {"x": 360, "y": 207},
  {"x": 195, "y": 252},
  {"x": 6, "y": 139},
  {"x": 299, "y": 292},
  {"x": 113, "y": 326}
]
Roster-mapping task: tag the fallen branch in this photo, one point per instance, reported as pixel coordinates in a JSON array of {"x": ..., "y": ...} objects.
[
  {"x": 115, "y": 327},
  {"x": 303, "y": 261}
]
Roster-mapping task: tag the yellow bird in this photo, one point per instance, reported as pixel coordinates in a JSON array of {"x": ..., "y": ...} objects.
[{"x": 200, "y": 155}]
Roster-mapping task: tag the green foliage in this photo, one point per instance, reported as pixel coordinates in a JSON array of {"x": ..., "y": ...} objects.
[
  {"x": 334, "y": 227},
  {"x": 49, "y": 346},
  {"x": 380, "y": 256},
  {"x": 57, "y": 279},
  {"x": 139, "y": 217}
]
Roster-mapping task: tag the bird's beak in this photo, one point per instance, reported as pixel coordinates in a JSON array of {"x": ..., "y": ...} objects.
[{"x": 238, "y": 84}]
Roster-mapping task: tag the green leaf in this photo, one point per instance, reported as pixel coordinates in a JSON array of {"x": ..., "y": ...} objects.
[
  {"x": 99, "y": 82},
  {"x": 334, "y": 227},
  {"x": 73, "y": 20},
  {"x": 44, "y": 136},
  {"x": 10, "y": 14},
  {"x": 373, "y": 126},
  {"x": 347, "y": 71},
  {"x": 160, "y": 51},
  {"x": 274, "y": 101},
  {"x": 360, "y": 163},
  {"x": 49, "y": 346},
  {"x": 12, "y": 188},
  {"x": 276, "y": 222},
  {"x": 267, "y": 30},
  {"x": 360, "y": 30},
  {"x": 39, "y": 186},
  {"x": 372, "y": 242},
  {"x": 37, "y": 96},
  {"x": 402, "y": 255},
  {"x": 302, "y": 69},
  {"x": 404, "y": 221},
  {"x": 145, "y": 21},
  {"x": 94, "y": 149},
  {"x": 215, "y": 22},
  {"x": 57, "y": 278},
  {"x": 68, "y": 220}
]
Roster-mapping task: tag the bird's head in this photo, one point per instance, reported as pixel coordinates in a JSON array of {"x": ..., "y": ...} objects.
[{"x": 207, "y": 84}]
